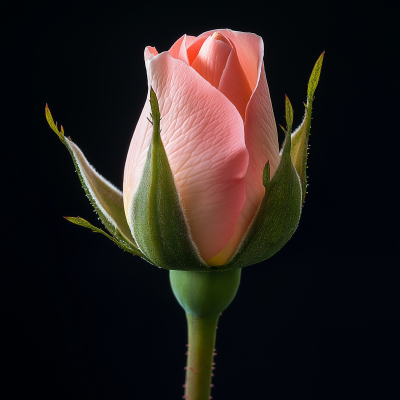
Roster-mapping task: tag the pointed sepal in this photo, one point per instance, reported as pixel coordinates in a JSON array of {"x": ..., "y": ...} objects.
[
  {"x": 301, "y": 135},
  {"x": 103, "y": 195},
  {"x": 288, "y": 114},
  {"x": 266, "y": 174},
  {"x": 156, "y": 215},
  {"x": 279, "y": 212},
  {"x": 82, "y": 222}
]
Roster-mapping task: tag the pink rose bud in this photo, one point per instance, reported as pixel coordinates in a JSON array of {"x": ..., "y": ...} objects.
[
  {"x": 204, "y": 184},
  {"x": 218, "y": 130}
]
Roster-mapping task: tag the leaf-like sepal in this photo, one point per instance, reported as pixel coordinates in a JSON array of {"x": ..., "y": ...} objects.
[
  {"x": 82, "y": 222},
  {"x": 314, "y": 78},
  {"x": 279, "y": 212},
  {"x": 156, "y": 215},
  {"x": 301, "y": 134},
  {"x": 288, "y": 114},
  {"x": 104, "y": 196}
]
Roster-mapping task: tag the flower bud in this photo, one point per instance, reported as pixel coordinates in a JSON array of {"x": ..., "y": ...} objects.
[{"x": 205, "y": 187}]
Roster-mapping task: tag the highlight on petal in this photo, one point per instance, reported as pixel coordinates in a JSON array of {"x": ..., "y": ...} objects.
[
  {"x": 219, "y": 36},
  {"x": 203, "y": 136}
]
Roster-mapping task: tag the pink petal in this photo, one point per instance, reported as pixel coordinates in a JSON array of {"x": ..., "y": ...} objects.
[
  {"x": 183, "y": 52},
  {"x": 234, "y": 84},
  {"x": 260, "y": 133},
  {"x": 203, "y": 136},
  {"x": 262, "y": 145},
  {"x": 211, "y": 60},
  {"x": 174, "y": 50},
  {"x": 194, "y": 48},
  {"x": 150, "y": 52},
  {"x": 250, "y": 51},
  {"x": 261, "y": 140},
  {"x": 187, "y": 41},
  {"x": 179, "y": 48},
  {"x": 190, "y": 40}
]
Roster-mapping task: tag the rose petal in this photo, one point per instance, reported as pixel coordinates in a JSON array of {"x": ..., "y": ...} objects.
[
  {"x": 211, "y": 60},
  {"x": 176, "y": 47},
  {"x": 190, "y": 40},
  {"x": 204, "y": 140},
  {"x": 183, "y": 52},
  {"x": 261, "y": 139},
  {"x": 179, "y": 48},
  {"x": 260, "y": 133},
  {"x": 150, "y": 52},
  {"x": 250, "y": 51},
  {"x": 187, "y": 41},
  {"x": 194, "y": 49},
  {"x": 234, "y": 84}
]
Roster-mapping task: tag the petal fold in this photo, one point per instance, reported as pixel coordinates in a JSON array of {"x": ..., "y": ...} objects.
[
  {"x": 250, "y": 51},
  {"x": 203, "y": 136},
  {"x": 234, "y": 84},
  {"x": 260, "y": 134},
  {"x": 194, "y": 49},
  {"x": 211, "y": 60},
  {"x": 179, "y": 48},
  {"x": 277, "y": 217}
]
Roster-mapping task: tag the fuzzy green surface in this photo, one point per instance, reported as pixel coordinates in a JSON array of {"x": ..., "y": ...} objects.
[
  {"x": 301, "y": 135},
  {"x": 203, "y": 294},
  {"x": 157, "y": 218}
]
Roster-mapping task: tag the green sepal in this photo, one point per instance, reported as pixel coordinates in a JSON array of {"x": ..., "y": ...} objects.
[
  {"x": 288, "y": 114},
  {"x": 301, "y": 135},
  {"x": 104, "y": 197},
  {"x": 278, "y": 214},
  {"x": 82, "y": 222},
  {"x": 157, "y": 217}
]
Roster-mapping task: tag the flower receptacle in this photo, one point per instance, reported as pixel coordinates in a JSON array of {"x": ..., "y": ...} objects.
[{"x": 204, "y": 294}]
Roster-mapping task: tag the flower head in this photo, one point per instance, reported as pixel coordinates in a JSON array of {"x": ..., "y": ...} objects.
[{"x": 204, "y": 185}]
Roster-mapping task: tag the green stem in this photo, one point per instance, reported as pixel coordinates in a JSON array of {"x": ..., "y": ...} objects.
[
  {"x": 203, "y": 295},
  {"x": 201, "y": 332}
]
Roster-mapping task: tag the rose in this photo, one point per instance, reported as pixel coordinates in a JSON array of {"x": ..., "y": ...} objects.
[
  {"x": 218, "y": 131},
  {"x": 209, "y": 189}
]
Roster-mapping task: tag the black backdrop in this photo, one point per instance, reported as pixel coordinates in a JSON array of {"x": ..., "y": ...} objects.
[{"x": 81, "y": 319}]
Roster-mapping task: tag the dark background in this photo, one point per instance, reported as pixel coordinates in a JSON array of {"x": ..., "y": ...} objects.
[{"x": 83, "y": 320}]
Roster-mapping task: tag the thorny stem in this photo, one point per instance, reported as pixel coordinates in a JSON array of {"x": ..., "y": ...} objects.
[
  {"x": 203, "y": 296},
  {"x": 201, "y": 333}
]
